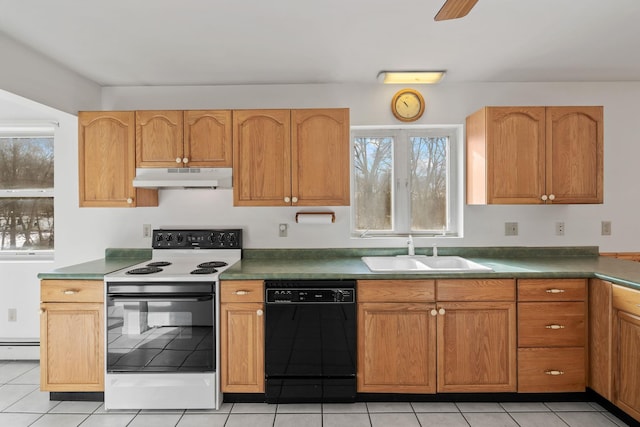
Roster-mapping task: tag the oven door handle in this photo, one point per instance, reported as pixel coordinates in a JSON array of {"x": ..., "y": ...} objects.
[{"x": 159, "y": 298}]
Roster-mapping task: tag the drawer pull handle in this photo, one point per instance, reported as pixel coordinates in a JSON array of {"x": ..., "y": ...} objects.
[
  {"x": 554, "y": 291},
  {"x": 554, "y": 326},
  {"x": 554, "y": 373},
  {"x": 70, "y": 291},
  {"x": 241, "y": 292}
]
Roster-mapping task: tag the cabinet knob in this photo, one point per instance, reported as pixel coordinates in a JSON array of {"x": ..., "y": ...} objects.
[
  {"x": 259, "y": 312},
  {"x": 241, "y": 292},
  {"x": 185, "y": 160},
  {"x": 544, "y": 197},
  {"x": 554, "y": 291},
  {"x": 434, "y": 312},
  {"x": 554, "y": 326},
  {"x": 554, "y": 373},
  {"x": 294, "y": 199},
  {"x": 129, "y": 200},
  {"x": 552, "y": 197},
  {"x": 70, "y": 291},
  {"x": 42, "y": 311},
  {"x": 287, "y": 200},
  {"x": 441, "y": 311},
  {"x": 178, "y": 160}
]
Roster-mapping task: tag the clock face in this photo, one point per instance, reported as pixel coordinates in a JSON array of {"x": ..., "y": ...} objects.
[{"x": 408, "y": 105}]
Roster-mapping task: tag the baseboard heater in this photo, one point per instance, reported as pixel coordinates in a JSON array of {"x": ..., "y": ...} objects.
[{"x": 19, "y": 350}]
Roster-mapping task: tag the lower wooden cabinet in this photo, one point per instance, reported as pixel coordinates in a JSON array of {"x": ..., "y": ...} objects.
[
  {"x": 552, "y": 335},
  {"x": 413, "y": 344},
  {"x": 242, "y": 336},
  {"x": 397, "y": 351},
  {"x": 626, "y": 348},
  {"x": 71, "y": 336}
]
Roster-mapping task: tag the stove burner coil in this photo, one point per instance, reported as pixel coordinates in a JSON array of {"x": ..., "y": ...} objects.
[
  {"x": 145, "y": 270},
  {"x": 212, "y": 264},
  {"x": 159, "y": 264},
  {"x": 204, "y": 270}
]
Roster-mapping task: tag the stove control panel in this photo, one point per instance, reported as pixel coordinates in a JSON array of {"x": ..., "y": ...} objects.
[{"x": 193, "y": 239}]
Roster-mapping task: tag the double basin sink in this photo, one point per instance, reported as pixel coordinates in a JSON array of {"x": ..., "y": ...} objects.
[{"x": 422, "y": 264}]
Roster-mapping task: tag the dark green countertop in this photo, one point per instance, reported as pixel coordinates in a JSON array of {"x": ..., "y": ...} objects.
[
  {"x": 115, "y": 259},
  {"x": 581, "y": 262},
  {"x": 506, "y": 262}
]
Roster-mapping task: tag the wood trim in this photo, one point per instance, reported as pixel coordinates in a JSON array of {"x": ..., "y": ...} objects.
[
  {"x": 600, "y": 344},
  {"x": 475, "y": 290}
]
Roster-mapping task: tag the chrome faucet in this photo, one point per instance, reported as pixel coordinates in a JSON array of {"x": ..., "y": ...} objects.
[
  {"x": 411, "y": 248},
  {"x": 435, "y": 250}
]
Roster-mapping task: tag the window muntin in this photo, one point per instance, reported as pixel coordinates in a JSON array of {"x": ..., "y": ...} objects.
[
  {"x": 406, "y": 181},
  {"x": 26, "y": 192}
]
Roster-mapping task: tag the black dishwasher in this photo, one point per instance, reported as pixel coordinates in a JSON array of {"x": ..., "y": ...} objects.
[{"x": 310, "y": 341}]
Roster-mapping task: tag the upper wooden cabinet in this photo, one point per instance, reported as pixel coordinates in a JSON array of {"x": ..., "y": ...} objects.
[
  {"x": 106, "y": 151},
  {"x": 291, "y": 157},
  {"x": 535, "y": 155},
  {"x": 170, "y": 138}
]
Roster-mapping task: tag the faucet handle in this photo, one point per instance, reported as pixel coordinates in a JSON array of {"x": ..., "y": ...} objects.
[{"x": 435, "y": 250}]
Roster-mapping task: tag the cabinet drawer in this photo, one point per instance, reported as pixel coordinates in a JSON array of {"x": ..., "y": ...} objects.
[
  {"x": 242, "y": 291},
  {"x": 396, "y": 291},
  {"x": 551, "y": 324},
  {"x": 542, "y": 370},
  {"x": 626, "y": 299},
  {"x": 552, "y": 290},
  {"x": 72, "y": 291},
  {"x": 476, "y": 290}
]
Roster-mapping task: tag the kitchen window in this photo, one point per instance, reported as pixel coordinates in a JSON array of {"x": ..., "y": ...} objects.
[
  {"x": 406, "y": 180},
  {"x": 26, "y": 192}
]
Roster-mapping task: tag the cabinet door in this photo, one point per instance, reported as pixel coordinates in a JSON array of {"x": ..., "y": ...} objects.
[
  {"x": 574, "y": 157},
  {"x": 600, "y": 318},
  {"x": 516, "y": 154},
  {"x": 262, "y": 158},
  {"x": 207, "y": 138},
  {"x": 320, "y": 157},
  {"x": 626, "y": 367},
  {"x": 242, "y": 347},
  {"x": 477, "y": 347},
  {"x": 159, "y": 137},
  {"x": 71, "y": 347},
  {"x": 106, "y": 159},
  {"x": 396, "y": 348}
]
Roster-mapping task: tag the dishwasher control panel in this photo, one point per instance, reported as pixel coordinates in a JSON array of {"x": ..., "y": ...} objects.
[{"x": 309, "y": 295}]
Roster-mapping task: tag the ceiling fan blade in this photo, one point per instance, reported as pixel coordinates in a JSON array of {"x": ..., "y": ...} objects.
[{"x": 453, "y": 9}]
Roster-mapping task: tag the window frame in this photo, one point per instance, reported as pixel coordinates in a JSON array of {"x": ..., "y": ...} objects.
[
  {"x": 12, "y": 130},
  {"x": 401, "y": 200}
]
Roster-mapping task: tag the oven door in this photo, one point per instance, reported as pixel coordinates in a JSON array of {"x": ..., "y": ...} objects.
[{"x": 160, "y": 327}]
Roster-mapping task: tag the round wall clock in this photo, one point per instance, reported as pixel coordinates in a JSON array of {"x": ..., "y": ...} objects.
[{"x": 407, "y": 105}]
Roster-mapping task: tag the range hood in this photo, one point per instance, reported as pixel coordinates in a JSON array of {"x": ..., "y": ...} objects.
[{"x": 183, "y": 178}]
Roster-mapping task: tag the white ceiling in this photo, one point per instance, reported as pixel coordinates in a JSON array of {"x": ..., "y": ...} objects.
[{"x": 210, "y": 42}]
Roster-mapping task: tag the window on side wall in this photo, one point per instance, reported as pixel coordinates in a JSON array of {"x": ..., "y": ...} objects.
[
  {"x": 26, "y": 192},
  {"x": 406, "y": 181}
]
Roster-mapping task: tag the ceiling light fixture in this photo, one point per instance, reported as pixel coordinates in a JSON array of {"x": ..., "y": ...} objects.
[{"x": 411, "y": 77}]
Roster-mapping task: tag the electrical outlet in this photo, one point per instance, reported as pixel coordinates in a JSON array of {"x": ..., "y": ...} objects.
[
  {"x": 13, "y": 315},
  {"x": 605, "y": 228},
  {"x": 282, "y": 230},
  {"x": 559, "y": 228},
  {"x": 146, "y": 230},
  {"x": 510, "y": 228}
]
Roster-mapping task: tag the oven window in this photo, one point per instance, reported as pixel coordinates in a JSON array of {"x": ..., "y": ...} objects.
[{"x": 161, "y": 334}]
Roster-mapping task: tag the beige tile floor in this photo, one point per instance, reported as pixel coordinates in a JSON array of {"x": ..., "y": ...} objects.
[{"x": 22, "y": 404}]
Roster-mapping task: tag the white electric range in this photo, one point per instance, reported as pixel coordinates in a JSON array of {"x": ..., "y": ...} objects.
[{"x": 162, "y": 322}]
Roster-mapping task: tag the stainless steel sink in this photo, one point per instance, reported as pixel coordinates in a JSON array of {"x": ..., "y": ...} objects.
[{"x": 422, "y": 264}]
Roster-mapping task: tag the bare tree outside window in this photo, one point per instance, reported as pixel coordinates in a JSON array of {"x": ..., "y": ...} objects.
[
  {"x": 373, "y": 175},
  {"x": 428, "y": 177},
  {"x": 26, "y": 193}
]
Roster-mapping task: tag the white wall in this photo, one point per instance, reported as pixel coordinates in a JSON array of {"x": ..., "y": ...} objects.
[{"x": 83, "y": 234}]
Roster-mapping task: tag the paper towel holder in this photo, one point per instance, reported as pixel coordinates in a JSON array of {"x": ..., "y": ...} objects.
[{"x": 315, "y": 214}]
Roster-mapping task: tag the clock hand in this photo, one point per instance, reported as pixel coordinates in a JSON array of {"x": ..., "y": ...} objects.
[{"x": 405, "y": 103}]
